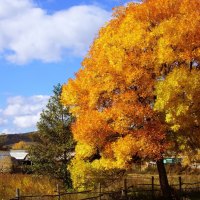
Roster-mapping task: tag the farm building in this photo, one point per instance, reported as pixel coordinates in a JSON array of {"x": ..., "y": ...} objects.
[
  {"x": 11, "y": 160},
  {"x": 20, "y": 155}
]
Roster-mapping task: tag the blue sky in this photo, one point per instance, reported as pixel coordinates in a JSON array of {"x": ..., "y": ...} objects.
[{"x": 42, "y": 43}]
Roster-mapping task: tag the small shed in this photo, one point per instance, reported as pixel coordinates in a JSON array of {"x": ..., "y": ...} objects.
[{"x": 20, "y": 155}]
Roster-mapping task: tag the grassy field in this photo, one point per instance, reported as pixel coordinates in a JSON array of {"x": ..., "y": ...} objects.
[
  {"x": 173, "y": 178},
  {"x": 28, "y": 185},
  {"x": 35, "y": 185}
]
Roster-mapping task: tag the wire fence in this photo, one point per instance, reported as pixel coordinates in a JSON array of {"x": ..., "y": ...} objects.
[{"x": 128, "y": 191}]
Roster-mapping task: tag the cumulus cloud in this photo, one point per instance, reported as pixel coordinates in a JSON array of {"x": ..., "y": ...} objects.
[
  {"x": 22, "y": 113},
  {"x": 26, "y": 121},
  {"x": 30, "y": 33},
  {"x": 25, "y": 105}
]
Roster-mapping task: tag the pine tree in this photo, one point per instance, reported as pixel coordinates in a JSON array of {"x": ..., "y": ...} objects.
[{"x": 52, "y": 153}]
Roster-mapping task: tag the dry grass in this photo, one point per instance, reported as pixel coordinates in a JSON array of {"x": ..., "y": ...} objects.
[
  {"x": 173, "y": 178},
  {"x": 33, "y": 185},
  {"x": 28, "y": 185},
  {"x": 144, "y": 181}
]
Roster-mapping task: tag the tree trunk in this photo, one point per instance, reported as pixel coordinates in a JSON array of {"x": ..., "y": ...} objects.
[{"x": 166, "y": 191}]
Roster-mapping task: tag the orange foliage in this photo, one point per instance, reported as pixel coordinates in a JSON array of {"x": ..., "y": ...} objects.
[{"x": 112, "y": 95}]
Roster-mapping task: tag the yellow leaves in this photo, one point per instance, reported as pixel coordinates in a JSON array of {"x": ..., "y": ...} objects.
[
  {"x": 84, "y": 173},
  {"x": 177, "y": 98},
  {"x": 176, "y": 127},
  {"x": 182, "y": 109},
  {"x": 164, "y": 52},
  {"x": 124, "y": 148},
  {"x": 134, "y": 32},
  {"x": 105, "y": 164},
  {"x": 84, "y": 150},
  {"x": 78, "y": 171},
  {"x": 169, "y": 117},
  {"x": 116, "y": 57},
  {"x": 20, "y": 145},
  {"x": 70, "y": 97},
  {"x": 145, "y": 48},
  {"x": 190, "y": 157}
]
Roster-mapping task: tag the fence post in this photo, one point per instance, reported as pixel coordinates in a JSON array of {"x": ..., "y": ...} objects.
[
  {"x": 180, "y": 187},
  {"x": 99, "y": 191},
  {"x": 17, "y": 194},
  {"x": 58, "y": 190},
  {"x": 125, "y": 188},
  {"x": 152, "y": 186}
]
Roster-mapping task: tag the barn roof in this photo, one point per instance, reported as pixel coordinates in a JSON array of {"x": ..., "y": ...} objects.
[{"x": 19, "y": 154}]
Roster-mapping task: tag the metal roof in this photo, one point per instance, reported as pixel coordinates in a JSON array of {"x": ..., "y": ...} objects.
[{"x": 19, "y": 154}]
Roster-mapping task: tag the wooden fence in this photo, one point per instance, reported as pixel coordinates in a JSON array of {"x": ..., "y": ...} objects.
[{"x": 127, "y": 192}]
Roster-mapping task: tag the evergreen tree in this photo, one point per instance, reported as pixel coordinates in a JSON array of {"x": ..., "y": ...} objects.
[{"x": 52, "y": 153}]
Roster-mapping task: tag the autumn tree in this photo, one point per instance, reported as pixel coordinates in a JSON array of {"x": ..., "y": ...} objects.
[
  {"x": 135, "y": 96},
  {"x": 52, "y": 152},
  {"x": 21, "y": 145}
]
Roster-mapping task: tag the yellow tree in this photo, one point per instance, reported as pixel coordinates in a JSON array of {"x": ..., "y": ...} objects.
[
  {"x": 118, "y": 96},
  {"x": 177, "y": 98},
  {"x": 20, "y": 145}
]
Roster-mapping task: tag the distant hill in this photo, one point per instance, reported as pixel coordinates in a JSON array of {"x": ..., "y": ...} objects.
[{"x": 10, "y": 139}]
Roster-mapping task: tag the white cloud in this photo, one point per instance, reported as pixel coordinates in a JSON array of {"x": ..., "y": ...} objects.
[
  {"x": 30, "y": 33},
  {"x": 22, "y": 113},
  {"x": 25, "y": 105},
  {"x": 26, "y": 121}
]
